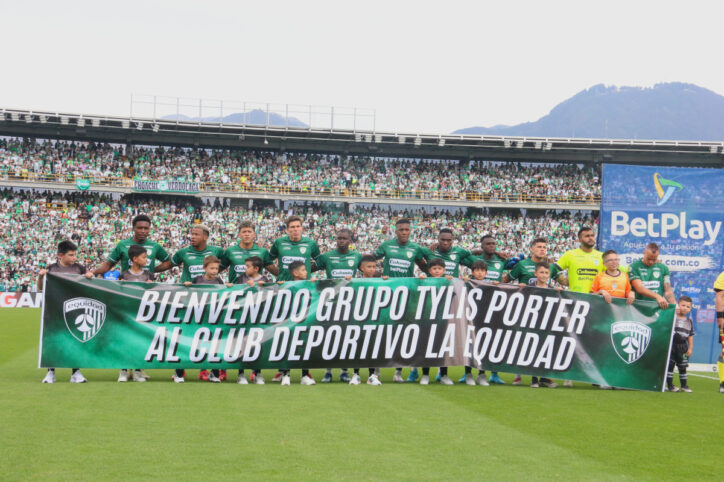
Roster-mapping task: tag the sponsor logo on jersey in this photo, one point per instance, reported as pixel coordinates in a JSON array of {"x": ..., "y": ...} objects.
[
  {"x": 341, "y": 273},
  {"x": 84, "y": 317},
  {"x": 453, "y": 256},
  {"x": 399, "y": 263},
  {"x": 303, "y": 249},
  {"x": 287, "y": 260},
  {"x": 665, "y": 188},
  {"x": 409, "y": 254},
  {"x": 630, "y": 339},
  {"x": 350, "y": 262},
  {"x": 583, "y": 272}
]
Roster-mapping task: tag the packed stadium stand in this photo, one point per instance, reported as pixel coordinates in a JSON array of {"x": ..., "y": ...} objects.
[{"x": 65, "y": 176}]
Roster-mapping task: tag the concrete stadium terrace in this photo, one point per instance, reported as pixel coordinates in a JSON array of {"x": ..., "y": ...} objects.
[{"x": 160, "y": 132}]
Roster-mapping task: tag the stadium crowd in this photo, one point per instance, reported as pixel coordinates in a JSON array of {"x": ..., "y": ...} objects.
[
  {"x": 36, "y": 222},
  {"x": 300, "y": 173}
]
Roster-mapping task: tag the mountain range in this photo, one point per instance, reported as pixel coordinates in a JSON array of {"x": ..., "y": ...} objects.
[
  {"x": 253, "y": 117},
  {"x": 674, "y": 111}
]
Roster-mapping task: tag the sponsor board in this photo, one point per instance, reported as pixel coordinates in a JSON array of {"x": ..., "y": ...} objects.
[{"x": 20, "y": 300}]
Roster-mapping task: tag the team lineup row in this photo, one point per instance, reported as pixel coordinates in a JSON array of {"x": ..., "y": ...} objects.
[{"x": 588, "y": 270}]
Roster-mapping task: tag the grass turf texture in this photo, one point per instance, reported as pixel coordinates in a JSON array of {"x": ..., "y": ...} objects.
[{"x": 106, "y": 430}]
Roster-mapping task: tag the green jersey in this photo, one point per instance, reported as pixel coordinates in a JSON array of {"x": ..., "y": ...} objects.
[
  {"x": 399, "y": 259},
  {"x": 154, "y": 251},
  {"x": 496, "y": 267},
  {"x": 653, "y": 278},
  {"x": 288, "y": 251},
  {"x": 524, "y": 271},
  {"x": 453, "y": 259},
  {"x": 193, "y": 260},
  {"x": 236, "y": 256},
  {"x": 338, "y": 265}
]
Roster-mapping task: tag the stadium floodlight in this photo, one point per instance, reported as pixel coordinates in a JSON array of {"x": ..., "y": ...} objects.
[
  {"x": 378, "y": 138},
  {"x": 64, "y": 120},
  {"x": 125, "y": 124},
  {"x": 441, "y": 142},
  {"x": 139, "y": 126},
  {"x": 96, "y": 122},
  {"x": 43, "y": 119},
  {"x": 81, "y": 122},
  {"x": 418, "y": 141},
  {"x": 358, "y": 137},
  {"x": 155, "y": 128},
  {"x": 28, "y": 118},
  {"x": 401, "y": 139},
  {"x": 14, "y": 116}
]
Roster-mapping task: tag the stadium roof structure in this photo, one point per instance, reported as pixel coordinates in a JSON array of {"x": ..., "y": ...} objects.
[{"x": 164, "y": 132}]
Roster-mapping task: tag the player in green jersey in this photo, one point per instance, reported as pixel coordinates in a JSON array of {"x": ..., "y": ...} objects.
[
  {"x": 290, "y": 248},
  {"x": 141, "y": 226},
  {"x": 237, "y": 254},
  {"x": 400, "y": 256},
  {"x": 524, "y": 270},
  {"x": 294, "y": 247},
  {"x": 340, "y": 263},
  {"x": 495, "y": 261},
  {"x": 650, "y": 279},
  {"x": 191, "y": 258},
  {"x": 495, "y": 268},
  {"x": 453, "y": 256},
  {"x": 191, "y": 261}
]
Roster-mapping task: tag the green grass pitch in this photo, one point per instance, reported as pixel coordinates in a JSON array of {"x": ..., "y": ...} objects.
[{"x": 106, "y": 430}]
